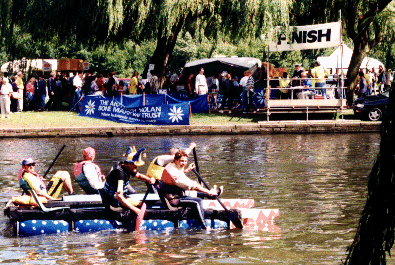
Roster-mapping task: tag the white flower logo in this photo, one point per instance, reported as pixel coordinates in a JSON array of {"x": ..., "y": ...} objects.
[
  {"x": 175, "y": 114},
  {"x": 261, "y": 97},
  {"x": 90, "y": 108}
]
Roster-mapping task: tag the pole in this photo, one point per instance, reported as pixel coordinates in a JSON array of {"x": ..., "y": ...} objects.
[
  {"x": 341, "y": 65},
  {"x": 267, "y": 85},
  {"x": 53, "y": 162}
]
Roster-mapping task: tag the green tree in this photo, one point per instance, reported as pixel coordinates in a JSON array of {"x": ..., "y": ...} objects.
[{"x": 91, "y": 22}]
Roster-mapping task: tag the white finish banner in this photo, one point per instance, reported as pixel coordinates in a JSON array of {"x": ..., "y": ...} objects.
[{"x": 307, "y": 37}]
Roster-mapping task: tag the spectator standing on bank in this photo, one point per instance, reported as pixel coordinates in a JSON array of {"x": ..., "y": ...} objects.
[
  {"x": 381, "y": 79},
  {"x": 363, "y": 85},
  {"x": 58, "y": 93},
  {"x": 201, "y": 87},
  {"x": 226, "y": 89},
  {"x": 77, "y": 87},
  {"x": 51, "y": 83},
  {"x": 70, "y": 82},
  {"x": 95, "y": 90},
  {"x": 100, "y": 83},
  {"x": 42, "y": 92},
  {"x": 387, "y": 84},
  {"x": 30, "y": 89},
  {"x": 86, "y": 87},
  {"x": 19, "y": 83},
  {"x": 319, "y": 73},
  {"x": 247, "y": 82},
  {"x": 190, "y": 85},
  {"x": 111, "y": 86},
  {"x": 15, "y": 90},
  {"x": 5, "y": 94},
  {"x": 134, "y": 82}
]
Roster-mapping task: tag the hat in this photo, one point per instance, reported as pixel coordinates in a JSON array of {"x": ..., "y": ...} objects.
[
  {"x": 28, "y": 161},
  {"x": 133, "y": 156},
  {"x": 298, "y": 64},
  {"x": 89, "y": 153}
]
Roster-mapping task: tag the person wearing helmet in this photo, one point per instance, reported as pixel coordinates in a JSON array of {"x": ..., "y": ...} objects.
[{"x": 116, "y": 192}]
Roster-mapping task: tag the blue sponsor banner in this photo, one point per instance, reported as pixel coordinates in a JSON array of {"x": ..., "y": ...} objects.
[
  {"x": 199, "y": 104},
  {"x": 111, "y": 109},
  {"x": 258, "y": 98}
]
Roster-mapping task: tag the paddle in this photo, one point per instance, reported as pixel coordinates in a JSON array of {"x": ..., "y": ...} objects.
[
  {"x": 53, "y": 162},
  {"x": 233, "y": 218},
  {"x": 195, "y": 158},
  {"x": 140, "y": 216},
  {"x": 196, "y": 162}
]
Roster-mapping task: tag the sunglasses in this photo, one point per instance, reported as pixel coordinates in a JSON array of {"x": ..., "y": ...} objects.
[{"x": 31, "y": 165}]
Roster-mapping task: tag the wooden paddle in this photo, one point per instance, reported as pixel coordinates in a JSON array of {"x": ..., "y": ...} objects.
[
  {"x": 53, "y": 162},
  {"x": 233, "y": 218},
  {"x": 140, "y": 216}
]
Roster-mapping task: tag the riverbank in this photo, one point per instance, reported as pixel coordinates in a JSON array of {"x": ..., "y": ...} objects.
[{"x": 69, "y": 124}]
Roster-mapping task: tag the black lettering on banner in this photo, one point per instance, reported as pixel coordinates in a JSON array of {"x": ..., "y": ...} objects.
[
  {"x": 312, "y": 36},
  {"x": 297, "y": 37},
  {"x": 327, "y": 35},
  {"x": 281, "y": 37},
  {"x": 304, "y": 36}
]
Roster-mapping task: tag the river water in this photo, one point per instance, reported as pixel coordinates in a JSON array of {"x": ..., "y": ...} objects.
[{"x": 317, "y": 181}]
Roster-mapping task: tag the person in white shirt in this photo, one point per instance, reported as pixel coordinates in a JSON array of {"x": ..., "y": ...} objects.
[
  {"x": 158, "y": 164},
  {"x": 174, "y": 183},
  {"x": 5, "y": 94},
  {"x": 77, "y": 85},
  {"x": 201, "y": 87}
]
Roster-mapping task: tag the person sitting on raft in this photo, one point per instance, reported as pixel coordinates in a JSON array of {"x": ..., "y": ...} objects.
[
  {"x": 29, "y": 179},
  {"x": 158, "y": 164},
  {"x": 87, "y": 174},
  {"x": 116, "y": 192},
  {"x": 174, "y": 183}
]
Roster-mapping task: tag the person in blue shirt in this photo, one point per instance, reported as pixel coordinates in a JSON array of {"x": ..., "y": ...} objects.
[{"x": 42, "y": 92}]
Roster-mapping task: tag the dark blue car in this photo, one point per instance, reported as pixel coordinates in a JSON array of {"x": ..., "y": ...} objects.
[{"x": 371, "y": 107}]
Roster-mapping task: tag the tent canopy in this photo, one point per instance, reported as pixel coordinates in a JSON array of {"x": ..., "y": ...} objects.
[
  {"x": 213, "y": 66},
  {"x": 333, "y": 61}
]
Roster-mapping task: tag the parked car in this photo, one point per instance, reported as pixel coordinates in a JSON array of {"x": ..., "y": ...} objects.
[{"x": 371, "y": 107}]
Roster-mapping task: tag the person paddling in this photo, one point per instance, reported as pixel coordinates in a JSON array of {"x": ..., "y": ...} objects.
[
  {"x": 115, "y": 191},
  {"x": 174, "y": 184},
  {"x": 158, "y": 164}
]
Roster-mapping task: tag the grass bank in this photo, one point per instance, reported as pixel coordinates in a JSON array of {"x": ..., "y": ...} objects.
[{"x": 66, "y": 119}]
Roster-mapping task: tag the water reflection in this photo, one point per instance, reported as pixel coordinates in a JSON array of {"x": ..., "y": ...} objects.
[{"x": 317, "y": 181}]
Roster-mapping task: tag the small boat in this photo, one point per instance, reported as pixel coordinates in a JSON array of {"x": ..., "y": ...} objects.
[{"x": 86, "y": 213}]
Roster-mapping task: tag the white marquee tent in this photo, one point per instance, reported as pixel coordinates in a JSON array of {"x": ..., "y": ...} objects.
[{"x": 333, "y": 61}]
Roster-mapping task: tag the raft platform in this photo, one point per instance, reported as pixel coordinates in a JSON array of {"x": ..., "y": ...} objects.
[{"x": 86, "y": 213}]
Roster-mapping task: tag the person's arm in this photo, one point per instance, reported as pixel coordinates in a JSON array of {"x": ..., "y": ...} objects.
[
  {"x": 144, "y": 178},
  {"x": 190, "y": 148},
  {"x": 204, "y": 190},
  {"x": 189, "y": 168},
  {"x": 124, "y": 202}
]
